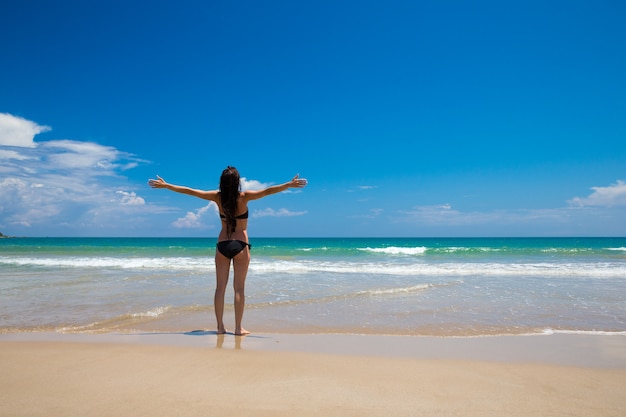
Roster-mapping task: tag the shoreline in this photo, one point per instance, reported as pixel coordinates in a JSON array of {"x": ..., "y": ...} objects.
[
  {"x": 562, "y": 349},
  {"x": 195, "y": 373},
  {"x": 270, "y": 321}
]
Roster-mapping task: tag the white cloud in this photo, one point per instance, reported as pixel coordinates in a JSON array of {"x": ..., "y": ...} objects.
[
  {"x": 362, "y": 188},
  {"x": 247, "y": 184},
  {"x": 445, "y": 215},
  {"x": 16, "y": 131},
  {"x": 611, "y": 196},
  {"x": 283, "y": 212},
  {"x": 70, "y": 154},
  {"x": 193, "y": 219},
  {"x": 23, "y": 203},
  {"x": 58, "y": 182},
  {"x": 10, "y": 154},
  {"x": 131, "y": 199},
  {"x": 73, "y": 158},
  {"x": 372, "y": 214},
  {"x": 437, "y": 214},
  {"x": 559, "y": 221}
]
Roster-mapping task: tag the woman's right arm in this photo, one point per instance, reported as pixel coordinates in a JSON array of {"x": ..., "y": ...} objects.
[{"x": 161, "y": 183}]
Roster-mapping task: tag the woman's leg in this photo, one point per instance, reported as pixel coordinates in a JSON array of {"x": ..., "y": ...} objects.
[
  {"x": 240, "y": 264},
  {"x": 222, "y": 269}
]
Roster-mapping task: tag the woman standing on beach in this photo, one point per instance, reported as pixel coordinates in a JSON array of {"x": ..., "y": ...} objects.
[{"x": 232, "y": 242}]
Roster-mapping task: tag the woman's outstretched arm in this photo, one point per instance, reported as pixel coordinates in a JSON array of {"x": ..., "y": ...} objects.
[
  {"x": 161, "y": 183},
  {"x": 296, "y": 182}
]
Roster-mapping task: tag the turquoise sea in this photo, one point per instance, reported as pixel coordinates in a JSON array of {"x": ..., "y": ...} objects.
[{"x": 412, "y": 286}]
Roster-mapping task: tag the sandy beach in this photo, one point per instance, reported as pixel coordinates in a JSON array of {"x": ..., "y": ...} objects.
[{"x": 201, "y": 373}]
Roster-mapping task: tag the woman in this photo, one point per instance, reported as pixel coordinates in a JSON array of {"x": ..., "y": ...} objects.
[{"x": 232, "y": 243}]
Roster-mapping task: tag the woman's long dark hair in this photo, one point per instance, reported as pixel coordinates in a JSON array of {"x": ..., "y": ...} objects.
[{"x": 230, "y": 187}]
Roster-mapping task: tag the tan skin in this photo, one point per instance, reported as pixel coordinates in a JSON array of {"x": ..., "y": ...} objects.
[{"x": 242, "y": 260}]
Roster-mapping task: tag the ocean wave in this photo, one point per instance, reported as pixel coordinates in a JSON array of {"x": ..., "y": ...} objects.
[
  {"x": 371, "y": 293},
  {"x": 395, "y": 250},
  {"x": 585, "y": 332},
  {"x": 262, "y": 265},
  {"x": 393, "y": 291},
  {"x": 566, "y": 250},
  {"x": 176, "y": 263},
  {"x": 545, "y": 269},
  {"x": 477, "y": 250},
  {"x": 405, "y": 290},
  {"x": 117, "y": 322},
  {"x": 155, "y": 312},
  {"x": 464, "y": 249}
]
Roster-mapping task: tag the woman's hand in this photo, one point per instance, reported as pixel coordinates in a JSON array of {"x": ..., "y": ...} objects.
[
  {"x": 158, "y": 183},
  {"x": 298, "y": 182}
]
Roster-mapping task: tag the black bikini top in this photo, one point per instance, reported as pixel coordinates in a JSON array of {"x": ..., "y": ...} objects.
[{"x": 240, "y": 217}]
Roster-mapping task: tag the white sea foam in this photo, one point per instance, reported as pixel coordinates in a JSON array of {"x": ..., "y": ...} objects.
[
  {"x": 117, "y": 321},
  {"x": 461, "y": 249},
  {"x": 597, "y": 270},
  {"x": 566, "y": 250},
  {"x": 295, "y": 266},
  {"x": 155, "y": 312},
  {"x": 622, "y": 249},
  {"x": 112, "y": 262},
  {"x": 583, "y": 332},
  {"x": 394, "y": 250},
  {"x": 392, "y": 291}
]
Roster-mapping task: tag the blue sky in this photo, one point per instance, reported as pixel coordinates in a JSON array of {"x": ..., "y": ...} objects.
[{"x": 408, "y": 118}]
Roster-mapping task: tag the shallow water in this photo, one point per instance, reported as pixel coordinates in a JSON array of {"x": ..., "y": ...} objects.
[{"x": 392, "y": 286}]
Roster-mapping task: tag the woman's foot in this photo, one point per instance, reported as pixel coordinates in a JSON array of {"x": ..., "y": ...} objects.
[{"x": 241, "y": 332}]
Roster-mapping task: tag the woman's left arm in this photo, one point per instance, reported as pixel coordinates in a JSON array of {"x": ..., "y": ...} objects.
[{"x": 296, "y": 182}]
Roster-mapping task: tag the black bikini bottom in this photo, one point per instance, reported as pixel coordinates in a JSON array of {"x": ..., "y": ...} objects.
[{"x": 231, "y": 248}]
